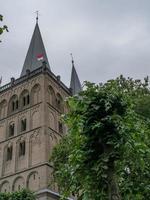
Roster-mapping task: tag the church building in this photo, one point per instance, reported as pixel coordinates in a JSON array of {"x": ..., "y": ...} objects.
[{"x": 30, "y": 123}]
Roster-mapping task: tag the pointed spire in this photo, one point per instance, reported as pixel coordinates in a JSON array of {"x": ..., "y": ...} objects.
[
  {"x": 36, "y": 53},
  {"x": 75, "y": 84}
]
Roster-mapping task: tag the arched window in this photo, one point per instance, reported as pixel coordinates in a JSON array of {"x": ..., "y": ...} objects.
[
  {"x": 35, "y": 146},
  {"x": 9, "y": 153},
  {"x": 11, "y": 129},
  {"x": 52, "y": 97},
  {"x": 18, "y": 184},
  {"x": 52, "y": 121},
  {"x": 35, "y": 119},
  {"x": 22, "y": 148},
  {"x": 35, "y": 94},
  {"x": 33, "y": 181},
  {"x": 13, "y": 104},
  {"x": 3, "y": 106},
  {"x": 59, "y": 102},
  {"x": 24, "y": 99},
  {"x": 23, "y": 124},
  {"x": 5, "y": 187}
]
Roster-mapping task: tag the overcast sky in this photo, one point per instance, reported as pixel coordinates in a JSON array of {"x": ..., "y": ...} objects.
[{"x": 107, "y": 37}]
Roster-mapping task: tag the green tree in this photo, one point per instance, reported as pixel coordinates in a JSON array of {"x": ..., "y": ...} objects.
[
  {"x": 4, "y": 27},
  {"x": 106, "y": 153},
  {"x": 143, "y": 106},
  {"x": 20, "y": 195}
]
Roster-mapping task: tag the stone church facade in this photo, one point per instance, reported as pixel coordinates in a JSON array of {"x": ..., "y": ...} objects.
[{"x": 30, "y": 123}]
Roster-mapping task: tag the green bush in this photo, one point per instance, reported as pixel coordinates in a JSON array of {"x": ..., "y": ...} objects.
[{"x": 20, "y": 195}]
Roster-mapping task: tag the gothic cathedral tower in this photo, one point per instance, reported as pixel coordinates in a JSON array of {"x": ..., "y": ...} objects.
[{"x": 30, "y": 125}]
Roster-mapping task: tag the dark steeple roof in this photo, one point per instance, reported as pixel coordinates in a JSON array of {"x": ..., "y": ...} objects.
[
  {"x": 75, "y": 84},
  {"x": 36, "y": 53}
]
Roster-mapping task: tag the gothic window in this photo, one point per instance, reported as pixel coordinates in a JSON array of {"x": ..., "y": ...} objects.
[
  {"x": 28, "y": 99},
  {"x": 3, "y": 106},
  {"x": 35, "y": 119},
  {"x": 11, "y": 129},
  {"x": 24, "y": 101},
  {"x": 52, "y": 97},
  {"x": 5, "y": 187},
  {"x": 24, "y": 98},
  {"x": 22, "y": 148},
  {"x": 16, "y": 104},
  {"x": 18, "y": 184},
  {"x": 35, "y": 94},
  {"x": 60, "y": 127},
  {"x": 23, "y": 125},
  {"x": 33, "y": 181},
  {"x": 59, "y": 102},
  {"x": 13, "y": 104},
  {"x": 35, "y": 146},
  {"x": 52, "y": 120},
  {"x": 9, "y": 153}
]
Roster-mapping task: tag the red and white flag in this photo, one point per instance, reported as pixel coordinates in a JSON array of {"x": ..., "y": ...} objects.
[{"x": 40, "y": 57}]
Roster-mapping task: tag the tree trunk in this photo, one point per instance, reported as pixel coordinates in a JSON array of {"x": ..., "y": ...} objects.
[{"x": 113, "y": 190}]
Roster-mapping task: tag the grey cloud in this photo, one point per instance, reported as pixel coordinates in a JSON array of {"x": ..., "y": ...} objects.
[{"x": 106, "y": 37}]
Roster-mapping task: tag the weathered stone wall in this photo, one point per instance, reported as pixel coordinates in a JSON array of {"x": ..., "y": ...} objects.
[{"x": 30, "y": 126}]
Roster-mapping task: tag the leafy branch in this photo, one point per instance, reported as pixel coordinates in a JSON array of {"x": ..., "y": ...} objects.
[{"x": 4, "y": 27}]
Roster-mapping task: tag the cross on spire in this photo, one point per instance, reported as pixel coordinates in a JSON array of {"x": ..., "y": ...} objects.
[
  {"x": 72, "y": 59},
  {"x": 37, "y": 16}
]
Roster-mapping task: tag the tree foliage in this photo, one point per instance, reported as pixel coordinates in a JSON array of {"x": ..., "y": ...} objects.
[
  {"x": 143, "y": 106},
  {"x": 20, "y": 195},
  {"x": 106, "y": 153},
  {"x": 3, "y": 27}
]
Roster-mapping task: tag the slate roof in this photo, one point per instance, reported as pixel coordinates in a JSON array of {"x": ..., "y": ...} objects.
[
  {"x": 36, "y": 50},
  {"x": 75, "y": 84}
]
